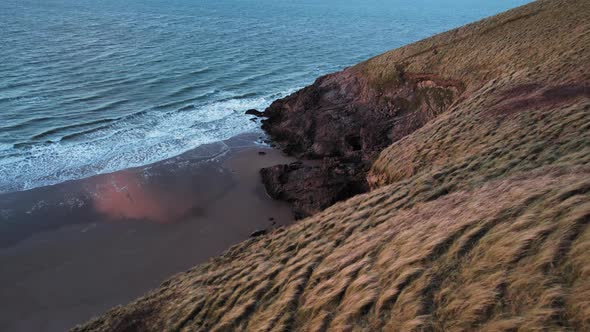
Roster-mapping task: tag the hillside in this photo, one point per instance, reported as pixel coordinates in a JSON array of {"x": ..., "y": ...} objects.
[{"x": 473, "y": 150}]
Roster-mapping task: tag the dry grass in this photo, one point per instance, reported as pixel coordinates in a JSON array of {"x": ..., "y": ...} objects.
[
  {"x": 509, "y": 255},
  {"x": 477, "y": 221}
]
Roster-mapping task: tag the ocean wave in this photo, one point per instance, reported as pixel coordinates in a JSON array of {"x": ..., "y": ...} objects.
[
  {"x": 57, "y": 130},
  {"x": 26, "y": 123},
  {"x": 184, "y": 102},
  {"x": 109, "y": 106},
  {"x": 82, "y": 133}
]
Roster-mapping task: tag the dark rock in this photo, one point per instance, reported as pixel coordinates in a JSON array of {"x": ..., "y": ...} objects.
[
  {"x": 313, "y": 188},
  {"x": 254, "y": 112},
  {"x": 342, "y": 122},
  {"x": 262, "y": 153},
  {"x": 258, "y": 233}
]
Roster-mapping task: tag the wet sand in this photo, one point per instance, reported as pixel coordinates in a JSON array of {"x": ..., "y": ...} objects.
[{"x": 72, "y": 251}]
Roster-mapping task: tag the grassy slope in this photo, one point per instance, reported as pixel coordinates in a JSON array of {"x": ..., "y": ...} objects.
[{"x": 476, "y": 221}]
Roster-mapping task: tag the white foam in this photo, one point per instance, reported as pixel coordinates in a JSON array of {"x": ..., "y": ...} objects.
[
  {"x": 136, "y": 141},
  {"x": 5, "y": 146}
]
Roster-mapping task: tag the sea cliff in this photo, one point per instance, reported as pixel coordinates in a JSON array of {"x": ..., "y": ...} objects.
[{"x": 447, "y": 188}]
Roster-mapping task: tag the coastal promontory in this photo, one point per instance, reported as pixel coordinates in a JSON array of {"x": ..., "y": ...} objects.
[{"x": 442, "y": 186}]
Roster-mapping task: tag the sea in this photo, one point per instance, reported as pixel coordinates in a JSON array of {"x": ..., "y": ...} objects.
[{"x": 95, "y": 86}]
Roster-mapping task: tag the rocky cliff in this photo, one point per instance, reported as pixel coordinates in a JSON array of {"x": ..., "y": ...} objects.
[
  {"x": 473, "y": 150},
  {"x": 342, "y": 122}
]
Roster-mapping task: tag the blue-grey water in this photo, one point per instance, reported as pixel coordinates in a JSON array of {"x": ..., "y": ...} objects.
[{"x": 94, "y": 86}]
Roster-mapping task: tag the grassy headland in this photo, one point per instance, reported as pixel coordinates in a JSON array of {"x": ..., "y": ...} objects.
[{"x": 476, "y": 219}]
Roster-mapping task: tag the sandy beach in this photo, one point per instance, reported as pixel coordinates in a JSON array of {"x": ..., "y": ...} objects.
[{"x": 71, "y": 251}]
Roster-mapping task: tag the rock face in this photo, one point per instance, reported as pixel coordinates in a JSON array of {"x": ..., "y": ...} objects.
[
  {"x": 312, "y": 188},
  {"x": 254, "y": 112},
  {"x": 344, "y": 120}
]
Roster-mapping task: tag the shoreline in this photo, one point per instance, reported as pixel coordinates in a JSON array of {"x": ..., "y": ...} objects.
[{"x": 73, "y": 250}]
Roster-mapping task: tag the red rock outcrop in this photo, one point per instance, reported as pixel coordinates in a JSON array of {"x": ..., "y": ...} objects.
[{"x": 344, "y": 120}]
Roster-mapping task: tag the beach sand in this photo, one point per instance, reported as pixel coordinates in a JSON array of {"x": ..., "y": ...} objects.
[{"x": 71, "y": 251}]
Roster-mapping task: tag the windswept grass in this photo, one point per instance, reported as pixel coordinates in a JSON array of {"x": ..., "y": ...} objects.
[{"x": 509, "y": 255}]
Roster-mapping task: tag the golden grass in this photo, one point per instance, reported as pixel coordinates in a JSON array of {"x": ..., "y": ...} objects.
[
  {"x": 511, "y": 255},
  {"x": 476, "y": 221}
]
